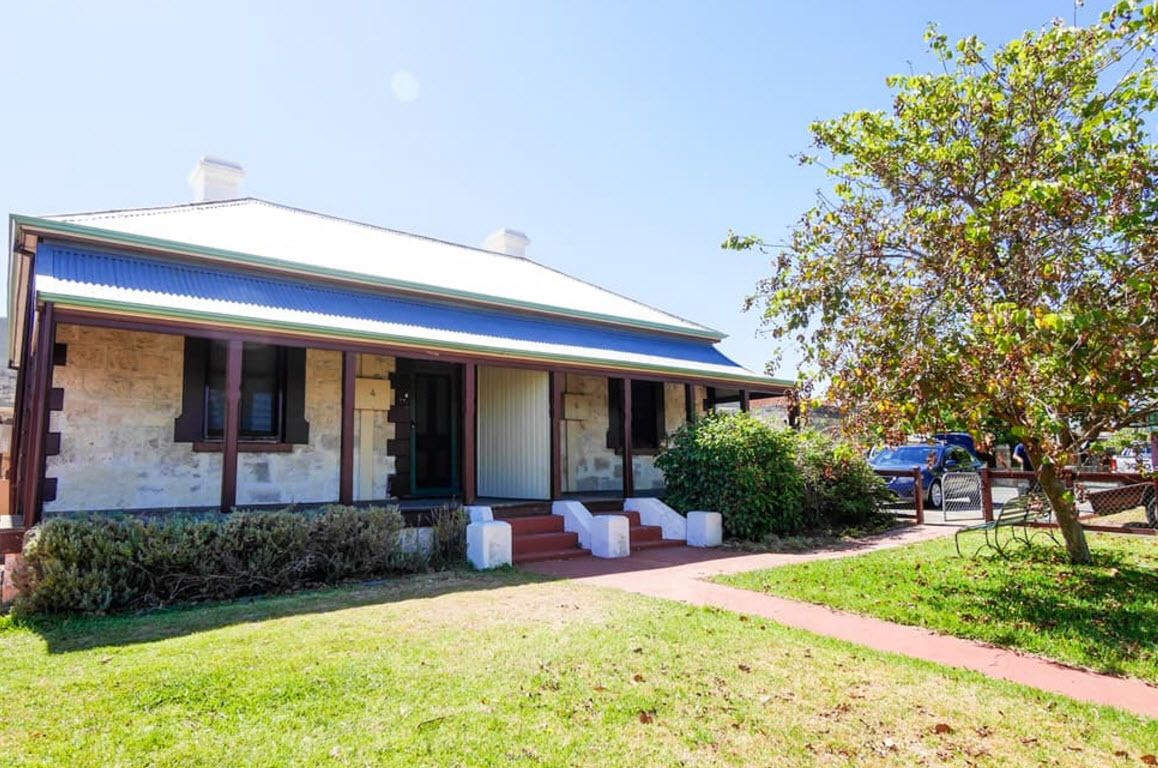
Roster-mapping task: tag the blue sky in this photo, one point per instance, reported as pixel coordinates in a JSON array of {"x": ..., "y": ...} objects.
[{"x": 624, "y": 138}]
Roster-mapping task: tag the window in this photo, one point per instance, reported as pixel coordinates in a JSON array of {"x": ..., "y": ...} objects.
[
  {"x": 647, "y": 417},
  {"x": 262, "y": 392},
  {"x": 272, "y": 395}
]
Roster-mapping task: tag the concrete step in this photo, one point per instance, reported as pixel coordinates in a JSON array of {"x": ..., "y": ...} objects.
[
  {"x": 557, "y": 554},
  {"x": 655, "y": 544},
  {"x": 523, "y": 526},
  {"x": 632, "y": 517},
  {"x": 642, "y": 533},
  {"x": 536, "y": 543}
]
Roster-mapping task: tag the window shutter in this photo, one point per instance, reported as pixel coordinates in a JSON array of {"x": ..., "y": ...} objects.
[
  {"x": 297, "y": 429},
  {"x": 614, "y": 413},
  {"x": 189, "y": 427}
]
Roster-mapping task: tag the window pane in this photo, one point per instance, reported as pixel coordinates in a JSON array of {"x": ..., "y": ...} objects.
[
  {"x": 260, "y": 401},
  {"x": 261, "y": 391}
]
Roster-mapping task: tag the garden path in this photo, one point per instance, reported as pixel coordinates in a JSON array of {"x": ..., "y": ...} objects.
[{"x": 682, "y": 573}]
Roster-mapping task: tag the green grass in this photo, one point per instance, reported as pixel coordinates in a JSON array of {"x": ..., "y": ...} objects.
[
  {"x": 468, "y": 669},
  {"x": 1103, "y": 616}
]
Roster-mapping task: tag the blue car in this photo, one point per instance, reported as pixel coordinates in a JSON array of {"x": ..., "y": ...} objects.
[{"x": 934, "y": 459}]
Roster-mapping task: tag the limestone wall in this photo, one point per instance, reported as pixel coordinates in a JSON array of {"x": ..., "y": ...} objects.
[
  {"x": 589, "y": 465},
  {"x": 372, "y": 465},
  {"x": 122, "y": 391}
]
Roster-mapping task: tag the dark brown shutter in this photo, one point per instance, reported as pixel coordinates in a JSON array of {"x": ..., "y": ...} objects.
[
  {"x": 189, "y": 427},
  {"x": 297, "y": 429},
  {"x": 614, "y": 413}
]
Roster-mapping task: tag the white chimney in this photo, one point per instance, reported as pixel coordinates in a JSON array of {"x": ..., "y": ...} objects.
[
  {"x": 508, "y": 241},
  {"x": 216, "y": 179}
]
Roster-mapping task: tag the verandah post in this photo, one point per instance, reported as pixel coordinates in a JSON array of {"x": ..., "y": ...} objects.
[
  {"x": 469, "y": 432},
  {"x": 33, "y": 472},
  {"x": 556, "y": 381},
  {"x": 745, "y": 403},
  {"x": 689, "y": 403},
  {"x": 346, "y": 471},
  {"x": 232, "y": 429},
  {"x": 628, "y": 465}
]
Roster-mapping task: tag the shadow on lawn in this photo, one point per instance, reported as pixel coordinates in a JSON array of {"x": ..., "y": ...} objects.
[
  {"x": 81, "y": 633},
  {"x": 1108, "y": 611}
]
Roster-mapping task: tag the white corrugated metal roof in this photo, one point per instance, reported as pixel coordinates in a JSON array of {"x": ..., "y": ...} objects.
[{"x": 296, "y": 237}]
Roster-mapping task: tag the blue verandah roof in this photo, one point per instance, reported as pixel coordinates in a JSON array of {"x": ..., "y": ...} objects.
[{"x": 126, "y": 281}]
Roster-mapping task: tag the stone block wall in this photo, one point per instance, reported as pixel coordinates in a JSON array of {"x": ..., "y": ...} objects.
[
  {"x": 122, "y": 391},
  {"x": 589, "y": 465}
]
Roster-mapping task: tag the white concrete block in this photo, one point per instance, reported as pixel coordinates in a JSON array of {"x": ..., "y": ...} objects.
[
  {"x": 610, "y": 536},
  {"x": 488, "y": 544},
  {"x": 479, "y": 514},
  {"x": 416, "y": 540},
  {"x": 705, "y": 529}
]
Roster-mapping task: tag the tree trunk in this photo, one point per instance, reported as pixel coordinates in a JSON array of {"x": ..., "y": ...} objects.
[{"x": 1066, "y": 511}]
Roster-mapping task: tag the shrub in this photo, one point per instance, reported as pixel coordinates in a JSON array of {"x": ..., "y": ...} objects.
[
  {"x": 449, "y": 527},
  {"x": 739, "y": 466},
  {"x": 112, "y": 563},
  {"x": 840, "y": 488}
]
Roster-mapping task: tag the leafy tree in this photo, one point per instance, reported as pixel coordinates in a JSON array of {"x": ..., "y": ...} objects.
[{"x": 988, "y": 247}]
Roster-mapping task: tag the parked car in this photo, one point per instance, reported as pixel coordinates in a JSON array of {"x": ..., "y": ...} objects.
[
  {"x": 934, "y": 460},
  {"x": 1132, "y": 459}
]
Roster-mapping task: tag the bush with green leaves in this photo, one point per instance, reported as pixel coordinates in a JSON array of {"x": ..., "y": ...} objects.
[
  {"x": 840, "y": 487},
  {"x": 104, "y": 563},
  {"x": 739, "y": 466}
]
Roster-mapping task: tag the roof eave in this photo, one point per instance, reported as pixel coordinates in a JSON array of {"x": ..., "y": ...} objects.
[
  {"x": 743, "y": 379},
  {"x": 70, "y": 231}
]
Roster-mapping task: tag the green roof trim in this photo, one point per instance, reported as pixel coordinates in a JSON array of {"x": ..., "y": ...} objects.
[{"x": 126, "y": 240}]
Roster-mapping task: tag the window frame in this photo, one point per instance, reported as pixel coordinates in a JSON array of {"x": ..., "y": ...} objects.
[
  {"x": 190, "y": 426},
  {"x": 276, "y": 435},
  {"x": 615, "y": 415}
]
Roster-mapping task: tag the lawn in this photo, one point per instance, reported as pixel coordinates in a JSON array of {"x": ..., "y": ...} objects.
[
  {"x": 498, "y": 669},
  {"x": 1103, "y": 616}
]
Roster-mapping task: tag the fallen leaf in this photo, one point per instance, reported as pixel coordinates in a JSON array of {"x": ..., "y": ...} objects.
[
  {"x": 1121, "y": 753},
  {"x": 106, "y": 659},
  {"x": 983, "y": 731},
  {"x": 600, "y": 688},
  {"x": 646, "y": 716},
  {"x": 637, "y": 650},
  {"x": 1150, "y": 759},
  {"x": 942, "y": 728},
  {"x": 745, "y": 668},
  {"x": 743, "y": 617},
  {"x": 638, "y": 678}
]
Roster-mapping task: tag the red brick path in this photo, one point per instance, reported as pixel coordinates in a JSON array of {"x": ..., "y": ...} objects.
[{"x": 680, "y": 573}]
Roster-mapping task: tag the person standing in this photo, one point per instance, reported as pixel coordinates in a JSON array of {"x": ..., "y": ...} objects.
[{"x": 1021, "y": 456}]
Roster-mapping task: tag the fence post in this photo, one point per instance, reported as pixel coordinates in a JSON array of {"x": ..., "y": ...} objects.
[
  {"x": 986, "y": 495},
  {"x": 919, "y": 494}
]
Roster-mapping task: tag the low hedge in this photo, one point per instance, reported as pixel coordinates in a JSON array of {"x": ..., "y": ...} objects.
[{"x": 103, "y": 563}]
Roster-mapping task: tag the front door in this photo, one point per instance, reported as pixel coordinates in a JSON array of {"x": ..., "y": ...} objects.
[{"x": 434, "y": 430}]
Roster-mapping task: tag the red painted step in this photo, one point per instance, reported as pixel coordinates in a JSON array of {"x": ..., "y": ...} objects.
[
  {"x": 522, "y": 526},
  {"x": 541, "y": 537},
  {"x": 643, "y": 536}
]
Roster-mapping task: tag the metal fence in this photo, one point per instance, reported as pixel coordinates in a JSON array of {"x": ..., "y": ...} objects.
[{"x": 1106, "y": 501}]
